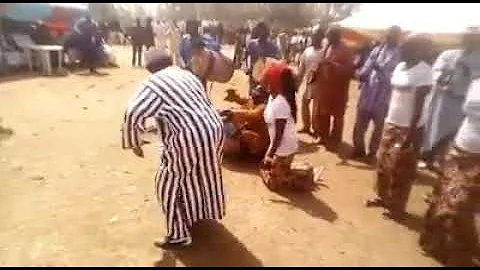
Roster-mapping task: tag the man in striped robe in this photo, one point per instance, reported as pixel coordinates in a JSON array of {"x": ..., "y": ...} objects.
[{"x": 189, "y": 181}]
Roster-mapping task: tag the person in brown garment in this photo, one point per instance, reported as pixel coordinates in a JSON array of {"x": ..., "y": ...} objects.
[
  {"x": 333, "y": 79},
  {"x": 249, "y": 134}
]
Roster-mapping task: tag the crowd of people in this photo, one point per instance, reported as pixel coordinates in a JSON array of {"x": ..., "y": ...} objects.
[
  {"x": 420, "y": 111},
  {"x": 172, "y": 37}
]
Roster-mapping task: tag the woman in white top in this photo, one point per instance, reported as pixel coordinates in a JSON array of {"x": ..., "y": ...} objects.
[
  {"x": 451, "y": 232},
  {"x": 280, "y": 117},
  {"x": 397, "y": 157}
]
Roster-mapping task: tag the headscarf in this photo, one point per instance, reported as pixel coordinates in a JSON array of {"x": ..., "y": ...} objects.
[
  {"x": 272, "y": 76},
  {"x": 281, "y": 79}
]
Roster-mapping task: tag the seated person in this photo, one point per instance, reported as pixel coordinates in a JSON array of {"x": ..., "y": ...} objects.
[{"x": 245, "y": 128}]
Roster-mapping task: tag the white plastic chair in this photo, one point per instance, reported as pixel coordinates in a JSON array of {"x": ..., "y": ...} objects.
[{"x": 26, "y": 43}]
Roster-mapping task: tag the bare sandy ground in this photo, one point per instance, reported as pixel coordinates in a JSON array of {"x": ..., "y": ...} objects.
[{"x": 70, "y": 196}]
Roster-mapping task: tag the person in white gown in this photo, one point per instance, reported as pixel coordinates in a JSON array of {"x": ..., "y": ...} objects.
[
  {"x": 173, "y": 42},
  {"x": 160, "y": 37}
]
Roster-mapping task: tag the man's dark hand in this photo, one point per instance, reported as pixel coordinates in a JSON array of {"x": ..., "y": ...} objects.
[
  {"x": 232, "y": 95},
  {"x": 138, "y": 151}
]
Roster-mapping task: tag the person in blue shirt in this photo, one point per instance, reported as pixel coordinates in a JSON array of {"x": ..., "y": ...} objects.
[
  {"x": 83, "y": 39},
  {"x": 186, "y": 43},
  {"x": 210, "y": 40}
]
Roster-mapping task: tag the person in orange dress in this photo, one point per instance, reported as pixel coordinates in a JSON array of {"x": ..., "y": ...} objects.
[
  {"x": 334, "y": 73},
  {"x": 246, "y": 131}
]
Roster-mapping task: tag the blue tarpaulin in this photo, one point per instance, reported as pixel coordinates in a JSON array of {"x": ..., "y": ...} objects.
[
  {"x": 32, "y": 11},
  {"x": 28, "y": 11}
]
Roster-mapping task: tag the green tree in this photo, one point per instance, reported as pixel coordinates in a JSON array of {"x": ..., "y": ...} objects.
[
  {"x": 286, "y": 14},
  {"x": 140, "y": 12}
]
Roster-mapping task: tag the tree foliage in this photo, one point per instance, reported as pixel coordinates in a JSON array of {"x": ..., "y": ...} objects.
[
  {"x": 122, "y": 13},
  {"x": 102, "y": 11},
  {"x": 282, "y": 14}
]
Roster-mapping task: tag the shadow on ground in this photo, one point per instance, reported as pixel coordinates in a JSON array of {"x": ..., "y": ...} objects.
[
  {"x": 307, "y": 148},
  {"x": 425, "y": 178},
  {"x": 22, "y": 75},
  {"x": 357, "y": 165},
  {"x": 310, "y": 204},
  {"x": 5, "y": 133},
  {"x": 88, "y": 73},
  {"x": 344, "y": 153},
  {"x": 411, "y": 221},
  {"x": 213, "y": 245},
  {"x": 251, "y": 165},
  {"x": 242, "y": 164}
]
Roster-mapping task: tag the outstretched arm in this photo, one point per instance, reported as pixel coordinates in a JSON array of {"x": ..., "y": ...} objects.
[
  {"x": 233, "y": 96},
  {"x": 248, "y": 115}
]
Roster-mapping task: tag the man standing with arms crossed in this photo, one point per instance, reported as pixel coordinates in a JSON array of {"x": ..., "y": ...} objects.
[{"x": 375, "y": 92}]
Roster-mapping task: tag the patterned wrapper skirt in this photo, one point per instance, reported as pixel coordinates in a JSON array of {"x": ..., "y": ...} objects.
[
  {"x": 285, "y": 175},
  {"x": 452, "y": 222},
  {"x": 397, "y": 167},
  {"x": 277, "y": 175}
]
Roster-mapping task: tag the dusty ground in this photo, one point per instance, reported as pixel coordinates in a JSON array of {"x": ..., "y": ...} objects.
[{"x": 70, "y": 196}]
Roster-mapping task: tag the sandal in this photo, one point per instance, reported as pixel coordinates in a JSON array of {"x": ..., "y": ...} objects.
[
  {"x": 377, "y": 202},
  {"x": 394, "y": 215},
  {"x": 168, "y": 245}
]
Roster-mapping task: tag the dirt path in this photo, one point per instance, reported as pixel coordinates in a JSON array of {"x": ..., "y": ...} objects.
[{"x": 71, "y": 196}]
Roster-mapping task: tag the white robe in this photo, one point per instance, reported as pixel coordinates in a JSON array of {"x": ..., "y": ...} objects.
[{"x": 160, "y": 37}]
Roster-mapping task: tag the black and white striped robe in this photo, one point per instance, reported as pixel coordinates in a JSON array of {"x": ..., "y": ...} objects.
[{"x": 189, "y": 182}]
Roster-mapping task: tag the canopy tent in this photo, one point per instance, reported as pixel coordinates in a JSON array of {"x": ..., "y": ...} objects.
[
  {"x": 444, "y": 18},
  {"x": 58, "y": 17}
]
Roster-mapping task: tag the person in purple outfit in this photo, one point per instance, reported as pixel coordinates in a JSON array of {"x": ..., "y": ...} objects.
[
  {"x": 375, "y": 92},
  {"x": 260, "y": 47}
]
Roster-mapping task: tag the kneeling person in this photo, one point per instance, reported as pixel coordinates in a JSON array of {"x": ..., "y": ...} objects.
[{"x": 280, "y": 116}]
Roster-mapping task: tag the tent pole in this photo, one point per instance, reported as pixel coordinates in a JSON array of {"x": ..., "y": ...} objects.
[{"x": 3, "y": 60}]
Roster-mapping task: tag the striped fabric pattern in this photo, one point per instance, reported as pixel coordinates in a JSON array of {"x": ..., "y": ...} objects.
[{"x": 189, "y": 182}]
